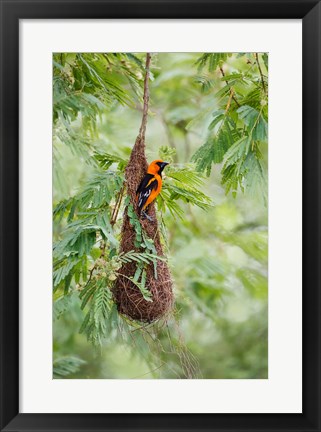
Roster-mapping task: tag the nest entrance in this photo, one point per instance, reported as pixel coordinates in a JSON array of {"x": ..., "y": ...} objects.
[{"x": 127, "y": 296}]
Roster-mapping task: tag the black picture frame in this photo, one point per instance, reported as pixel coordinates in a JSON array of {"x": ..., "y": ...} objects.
[{"x": 11, "y": 12}]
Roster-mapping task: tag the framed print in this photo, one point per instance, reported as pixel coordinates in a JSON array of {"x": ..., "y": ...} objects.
[{"x": 159, "y": 215}]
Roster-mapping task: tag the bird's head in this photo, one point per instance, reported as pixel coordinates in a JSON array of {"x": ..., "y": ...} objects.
[{"x": 156, "y": 167}]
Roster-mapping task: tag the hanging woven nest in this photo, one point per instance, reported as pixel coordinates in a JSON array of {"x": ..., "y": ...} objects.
[{"x": 127, "y": 296}]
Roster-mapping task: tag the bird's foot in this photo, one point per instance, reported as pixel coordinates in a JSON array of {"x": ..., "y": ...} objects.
[{"x": 147, "y": 216}]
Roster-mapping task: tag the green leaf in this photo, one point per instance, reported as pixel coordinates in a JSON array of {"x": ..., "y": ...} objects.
[
  {"x": 65, "y": 366},
  {"x": 255, "y": 122},
  {"x": 105, "y": 161},
  {"x": 218, "y": 118},
  {"x": 62, "y": 270},
  {"x": 233, "y": 76},
  {"x": 143, "y": 280},
  {"x": 144, "y": 291},
  {"x": 138, "y": 274},
  {"x": 212, "y": 60},
  {"x": 265, "y": 57},
  {"x": 237, "y": 152},
  {"x": 61, "y": 305}
]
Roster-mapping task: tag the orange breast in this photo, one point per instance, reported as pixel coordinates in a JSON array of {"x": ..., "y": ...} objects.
[{"x": 154, "y": 192}]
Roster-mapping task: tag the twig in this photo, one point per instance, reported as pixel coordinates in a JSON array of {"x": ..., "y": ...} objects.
[
  {"x": 90, "y": 276},
  {"x": 142, "y": 129},
  {"x": 231, "y": 89},
  {"x": 117, "y": 206},
  {"x": 229, "y": 100},
  {"x": 149, "y": 372},
  {"x": 259, "y": 66},
  {"x": 142, "y": 327}
]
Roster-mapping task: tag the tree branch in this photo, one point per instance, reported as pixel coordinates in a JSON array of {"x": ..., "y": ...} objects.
[
  {"x": 137, "y": 165},
  {"x": 117, "y": 206},
  {"x": 259, "y": 66},
  {"x": 142, "y": 129},
  {"x": 229, "y": 100},
  {"x": 231, "y": 89}
]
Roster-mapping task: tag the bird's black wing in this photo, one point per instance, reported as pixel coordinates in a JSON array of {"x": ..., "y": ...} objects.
[{"x": 145, "y": 189}]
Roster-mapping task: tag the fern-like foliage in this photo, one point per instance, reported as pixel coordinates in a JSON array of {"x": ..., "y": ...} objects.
[
  {"x": 142, "y": 259},
  {"x": 182, "y": 183},
  {"x": 185, "y": 184},
  {"x": 211, "y": 60},
  {"x": 239, "y": 129},
  {"x": 84, "y": 86},
  {"x": 106, "y": 160},
  {"x": 85, "y": 81},
  {"x": 96, "y": 297},
  {"x": 65, "y": 366},
  {"x": 87, "y": 217},
  {"x": 217, "y": 143}
]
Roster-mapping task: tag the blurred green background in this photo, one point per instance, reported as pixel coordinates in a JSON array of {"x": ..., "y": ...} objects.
[{"x": 218, "y": 258}]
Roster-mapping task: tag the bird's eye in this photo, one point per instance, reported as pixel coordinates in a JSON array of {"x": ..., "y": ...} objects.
[{"x": 159, "y": 164}]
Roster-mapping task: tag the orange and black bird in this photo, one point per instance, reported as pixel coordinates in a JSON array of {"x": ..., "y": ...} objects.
[{"x": 150, "y": 186}]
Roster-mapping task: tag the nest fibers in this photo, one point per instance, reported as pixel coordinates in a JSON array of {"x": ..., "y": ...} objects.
[{"x": 127, "y": 295}]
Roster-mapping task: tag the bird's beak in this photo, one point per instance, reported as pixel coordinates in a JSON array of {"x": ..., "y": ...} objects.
[{"x": 164, "y": 164}]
